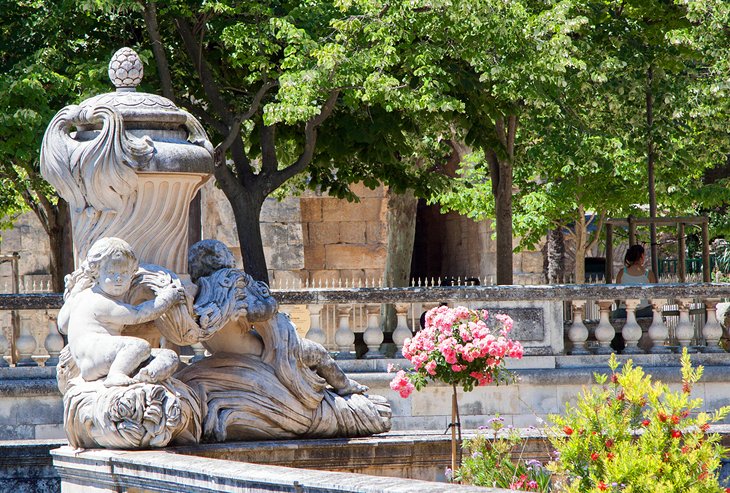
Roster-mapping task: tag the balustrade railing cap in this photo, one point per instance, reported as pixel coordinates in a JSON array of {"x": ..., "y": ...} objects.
[{"x": 560, "y": 292}]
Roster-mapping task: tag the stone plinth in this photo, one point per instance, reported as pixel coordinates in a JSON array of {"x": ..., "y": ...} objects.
[
  {"x": 204, "y": 469},
  {"x": 26, "y": 466}
]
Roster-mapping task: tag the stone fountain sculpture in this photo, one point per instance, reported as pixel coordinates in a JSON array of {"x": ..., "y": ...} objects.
[{"x": 129, "y": 163}]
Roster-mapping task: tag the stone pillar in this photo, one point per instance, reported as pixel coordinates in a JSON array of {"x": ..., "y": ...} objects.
[
  {"x": 373, "y": 336},
  {"x": 315, "y": 332},
  {"x": 578, "y": 332},
  {"x": 5, "y": 357},
  {"x": 658, "y": 331},
  {"x": 604, "y": 330},
  {"x": 631, "y": 330},
  {"x": 344, "y": 337},
  {"x": 26, "y": 345},
  {"x": 53, "y": 342},
  {"x": 685, "y": 330},
  {"x": 712, "y": 331},
  {"x": 401, "y": 332}
]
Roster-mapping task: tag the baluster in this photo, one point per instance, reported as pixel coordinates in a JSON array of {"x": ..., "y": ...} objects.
[
  {"x": 344, "y": 336},
  {"x": 604, "y": 330},
  {"x": 315, "y": 332},
  {"x": 712, "y": 331},
  {"x": 53, "y": 342},
  {"x": 6, "y": 358},
  {"x": 186, "y": 359},
  {"x": 578, "y": 332},
  {"x": 684, "y": 330},
  {"x": 198, "y": 350},
  {"x": 26, "y": 345},
  {"x": 658, "y": 331},
  {"x": 631, "y": 330},
  {"x": 401, "y": 332},
  {"x": 373, "y": 335}
]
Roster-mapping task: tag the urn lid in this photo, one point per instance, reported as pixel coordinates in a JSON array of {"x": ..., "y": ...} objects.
[{"x": 140, "y": 110}]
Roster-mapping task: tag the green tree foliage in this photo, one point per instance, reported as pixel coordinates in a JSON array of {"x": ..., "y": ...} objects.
[
  {"x": 482, "y": 69},
  {"x": 52, "y": 55},
  {"x": 645, "y": 83}
]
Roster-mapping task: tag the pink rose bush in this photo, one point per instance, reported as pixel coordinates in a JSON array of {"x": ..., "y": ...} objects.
[{"x": 457, "y": 347}]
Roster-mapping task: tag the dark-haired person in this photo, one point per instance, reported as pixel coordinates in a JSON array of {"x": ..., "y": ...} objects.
[{"x": 633, "y": 272}]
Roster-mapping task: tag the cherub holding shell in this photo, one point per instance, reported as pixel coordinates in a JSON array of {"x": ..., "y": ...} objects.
[{"x": 94, "y": 315}]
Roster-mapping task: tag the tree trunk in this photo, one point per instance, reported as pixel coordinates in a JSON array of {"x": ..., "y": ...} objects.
[
  {"x": 247, "y": 211},
  {"x": 61, "y": 245},
  {"x": 503, "y": 217},
  {"x": 401, "y": 221},
  {"x": 500, "y": 172},
  {"x": 581, "y": 242},
  {"x": 650, "y": 155},
  {"x": 555, "y": 256}
]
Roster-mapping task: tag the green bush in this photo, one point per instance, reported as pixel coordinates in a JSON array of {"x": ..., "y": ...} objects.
[
  {"x": 629, "y": 434},
  {"x": 489, "y": 461}
]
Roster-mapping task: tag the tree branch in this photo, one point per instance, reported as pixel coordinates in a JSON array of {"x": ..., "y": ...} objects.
[
  {"x": 163, "y": 67},
  {"x": 493, "y": 162},
  {"x": 207, "y": 118},
  {"x": 235, "y": 128},
  {"x": 599, "y": 227},
  {"x": 194, "y": 51},
  {"x": 310, "y": 140},
  {"x": 32, "y": 203},
  {"x": 269, "y": 163}
]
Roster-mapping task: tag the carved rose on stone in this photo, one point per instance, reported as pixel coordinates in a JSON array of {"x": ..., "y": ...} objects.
[{"x": 138, "y": 416}]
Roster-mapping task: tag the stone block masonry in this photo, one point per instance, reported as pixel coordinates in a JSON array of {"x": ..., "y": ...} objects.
[{"x": 30, "y": 404}]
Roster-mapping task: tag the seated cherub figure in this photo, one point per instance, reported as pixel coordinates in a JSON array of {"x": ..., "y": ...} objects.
[{"x": 94, "y": 315}]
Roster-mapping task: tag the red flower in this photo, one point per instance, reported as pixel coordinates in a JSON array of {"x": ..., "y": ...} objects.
[
  {"x": 662, "y": 416},
  {"x": 676, "y": 434},
  {"x": 686, "y": 388},
  {"x": 685, "y": 449},
  {"x": 614, "y": 378},
  {"x": 602, "y": 486},
  {"x": 675, "y": 419},
  {"x": 609, "y": 443},
  {"x": 567, "y": 430},
  {"x": 610, "y": 456},
  {"x": 704, "y": 427},
  {"x": 594, "y": 456},
  {"x": 620, "y": 396},
  {"x": 685, "y": 413},
  {"x": 645, "y": 423}
]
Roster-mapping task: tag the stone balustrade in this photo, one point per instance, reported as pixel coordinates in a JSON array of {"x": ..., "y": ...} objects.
[{"x": 550, "y": 320}]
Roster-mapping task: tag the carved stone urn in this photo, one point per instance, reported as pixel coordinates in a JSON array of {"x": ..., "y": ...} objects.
[{"x": 128, "y": 163}]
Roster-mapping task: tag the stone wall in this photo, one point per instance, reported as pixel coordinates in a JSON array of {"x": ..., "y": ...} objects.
[
  {"x": 345, "y": 240},
  {"x": 32, "y": 407},
  {"x": 29, "y": 239},
  {"x": 317, "y": 239}
]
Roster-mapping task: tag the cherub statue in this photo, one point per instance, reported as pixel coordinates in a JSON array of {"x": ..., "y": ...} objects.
[{"x": 94, "y": 315}]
